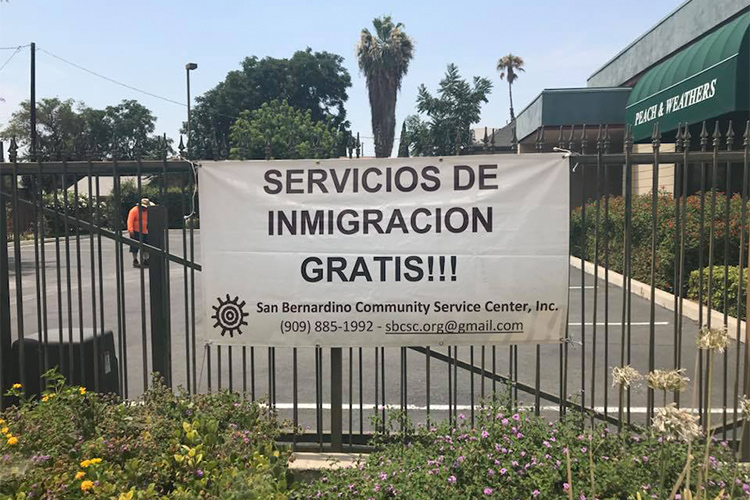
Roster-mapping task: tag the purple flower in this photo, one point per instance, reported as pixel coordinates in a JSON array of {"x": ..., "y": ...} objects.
[
  {"x": 452, "y": 479},
  {"x": 504, "y": 421},
  {"x": 536, "y": 493},
  {"x": 199, "y": 473},
  {"x": 485, "y": 434},
  {"x": 566, "y": 486},
  {"x": 383, "y": 476},
  {"x": 488, "y": 491},
  {"x": 503, "y": 472},
  {"x": 516, "y": 417}
]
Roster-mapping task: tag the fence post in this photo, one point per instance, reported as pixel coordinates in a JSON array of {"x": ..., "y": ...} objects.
[
  {"x": 336, "y": 400},
  {"x": 160, "y": 342},
  {"x": 5, "y": 334},
  {"x": 745, "y": 441}
]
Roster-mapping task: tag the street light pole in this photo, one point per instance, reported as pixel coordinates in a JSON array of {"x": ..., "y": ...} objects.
[
  {"x": 188, "y": 68},
  {"x": 32, "y": 104}
]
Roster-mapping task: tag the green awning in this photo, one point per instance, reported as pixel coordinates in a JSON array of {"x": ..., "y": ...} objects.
[{"x": 704, "y": 80}]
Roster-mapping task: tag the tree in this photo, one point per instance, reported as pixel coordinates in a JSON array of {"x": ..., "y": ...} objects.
[
  {"x": 314, "y": 81},
  {"x": 384, "y": 60},
  {"x": 60, "y": 129},
  {"x": 450, "y": 115},
  {"x": 73, "y": 131},
  {"x": 290, "y": 133},
  {"x": 509, "y": 66}
]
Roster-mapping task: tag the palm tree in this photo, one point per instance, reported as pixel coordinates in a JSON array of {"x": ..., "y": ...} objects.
[
  {"x": 384, "y": 60},
  {"x": 509, "y": 66}
]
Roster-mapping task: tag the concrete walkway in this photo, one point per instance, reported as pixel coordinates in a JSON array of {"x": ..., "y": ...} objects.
[{"x": 322, "y": 461}]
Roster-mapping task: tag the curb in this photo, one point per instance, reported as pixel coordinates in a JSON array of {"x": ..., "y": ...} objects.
[{"x": 690, "y": 309}]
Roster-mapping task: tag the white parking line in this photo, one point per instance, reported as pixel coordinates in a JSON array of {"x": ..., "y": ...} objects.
[
  {"x": 578, "y": 287},
  {"x": 632, "y": 323}
]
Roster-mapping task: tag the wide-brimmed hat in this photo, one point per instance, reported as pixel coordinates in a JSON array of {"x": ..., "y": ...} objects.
[{"x": 145, "y": 202}]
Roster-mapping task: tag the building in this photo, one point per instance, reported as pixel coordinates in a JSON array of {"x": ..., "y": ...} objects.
[{"x": 691, "y": 67}]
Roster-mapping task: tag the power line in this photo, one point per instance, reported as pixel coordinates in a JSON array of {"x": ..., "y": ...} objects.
[
  {"x": 111, "y": 79},
  {"x": 15, "y": 47},
  {"x": 18, "y": 49}
]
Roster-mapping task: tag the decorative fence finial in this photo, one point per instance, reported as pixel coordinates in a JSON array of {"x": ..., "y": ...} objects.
[
  {"x": 656, "y": 136},
  {"x": 704, "y": 136},
  {"x": 584, "y": 141},
  {"x": 716, "y": 136},
  {"x": 571, "y": 138},
  {"x": 12, "y": 150},
  {"x": 686, "y": 137},
  {"x": 606, "y": 139},
  {"x": 627, "y": 144},
  {"x": 730, "y": 136}
]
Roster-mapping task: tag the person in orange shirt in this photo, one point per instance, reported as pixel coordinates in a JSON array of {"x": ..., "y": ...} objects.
[{"x": 138, "y": 228}]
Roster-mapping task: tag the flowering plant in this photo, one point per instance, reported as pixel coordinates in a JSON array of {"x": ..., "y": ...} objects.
[
  {"x": 514, "y": 454},
  {"x": 72, "y": 443}
]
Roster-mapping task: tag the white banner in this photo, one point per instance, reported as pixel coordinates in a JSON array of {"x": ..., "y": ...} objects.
[{"x": 392, "y": 252}]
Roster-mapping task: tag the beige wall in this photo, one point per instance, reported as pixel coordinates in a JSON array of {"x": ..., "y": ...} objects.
[{"x": 643, "y": 174}]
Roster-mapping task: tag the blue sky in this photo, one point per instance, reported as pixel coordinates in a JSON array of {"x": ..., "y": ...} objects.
[{"x": 147, "y": 43}]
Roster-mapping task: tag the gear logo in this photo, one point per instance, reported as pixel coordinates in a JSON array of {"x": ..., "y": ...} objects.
[{"x": 230, "y": 316}]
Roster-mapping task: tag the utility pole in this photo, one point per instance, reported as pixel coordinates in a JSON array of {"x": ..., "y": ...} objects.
[{"x": 32, "y": 103}]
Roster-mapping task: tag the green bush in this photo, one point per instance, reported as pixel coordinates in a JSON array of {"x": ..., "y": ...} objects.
[
  {"x": 509, "y": 455},
  {"x": 717, "y": 288},
  {"x": 582, "y": 238},
  {"x": 177, "y": 201},
  {"x": 76, "y": 444}
]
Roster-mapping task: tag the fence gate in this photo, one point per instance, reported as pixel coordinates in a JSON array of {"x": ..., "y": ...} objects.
[{"x": 655, "y": 230}]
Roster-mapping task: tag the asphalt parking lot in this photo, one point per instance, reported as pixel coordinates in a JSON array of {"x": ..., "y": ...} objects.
[{"x": 248, "y": 369}]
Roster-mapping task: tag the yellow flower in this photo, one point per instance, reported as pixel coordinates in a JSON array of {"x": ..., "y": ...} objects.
[
  {"x": 82, "y": 390},
  {"x": 87, "y": 485},
  {"x": 45, "y": 398},
  {"x": 2, "y": 421},
  {"x": 12, "y": 441},
  {"x": 4, "y": 430},
  {"x": 17, "y": 386},
  {"x": 80, "y": 474},
  {"x": 92, "y": 461}
]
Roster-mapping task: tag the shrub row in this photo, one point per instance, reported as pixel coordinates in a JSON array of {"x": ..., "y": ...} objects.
[
  {"x": 697, "y": 235},
  {"x": 718, "y": 286},
  {"x": 178, "y": 203}
]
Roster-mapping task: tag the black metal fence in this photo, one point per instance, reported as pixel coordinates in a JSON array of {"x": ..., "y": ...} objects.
[{"x": 70, "y": 298}]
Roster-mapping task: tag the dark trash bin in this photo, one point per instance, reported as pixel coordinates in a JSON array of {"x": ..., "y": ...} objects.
[{"x": 109, "y": 380}]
